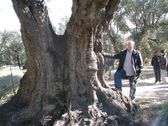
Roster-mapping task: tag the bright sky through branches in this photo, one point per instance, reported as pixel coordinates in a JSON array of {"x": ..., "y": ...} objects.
[{"x": 57, "y": 9}]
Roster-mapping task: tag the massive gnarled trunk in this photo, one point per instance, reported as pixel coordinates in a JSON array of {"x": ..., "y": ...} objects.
[{"x": 64, "y": 82}]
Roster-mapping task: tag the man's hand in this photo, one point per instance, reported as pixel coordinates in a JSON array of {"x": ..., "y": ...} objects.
[
  {"x": 138, "y": 72},
  {"x": 106, "y": 54}
]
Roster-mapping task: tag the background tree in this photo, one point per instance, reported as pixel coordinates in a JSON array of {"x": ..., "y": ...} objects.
[
  {"x": 11, "y": 49},
  {"x": 144, "y": 21},
  {"x": 3, "y": 47},
  {"x": 64, "y": 72}
]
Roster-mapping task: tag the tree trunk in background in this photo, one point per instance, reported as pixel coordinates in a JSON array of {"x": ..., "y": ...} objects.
[{"x": 64, "y": 82}]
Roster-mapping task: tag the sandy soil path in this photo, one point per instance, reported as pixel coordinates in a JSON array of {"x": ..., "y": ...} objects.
[
  {"x": 148, "y": 95},
  {"x": 147, "y": 91}
]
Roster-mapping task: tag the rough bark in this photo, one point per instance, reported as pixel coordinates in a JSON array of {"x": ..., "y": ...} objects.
[{"x": 64, "y": 82}]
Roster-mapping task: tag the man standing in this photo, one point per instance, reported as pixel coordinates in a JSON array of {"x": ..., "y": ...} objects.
[
  {"x": 155, "y": 62},
  {"x": 130, "y": 64},
  {"x": 163, "y": 66}
]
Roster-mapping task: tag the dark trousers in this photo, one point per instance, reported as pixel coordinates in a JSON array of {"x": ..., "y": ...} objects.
[{"x": 157, "y": 74}]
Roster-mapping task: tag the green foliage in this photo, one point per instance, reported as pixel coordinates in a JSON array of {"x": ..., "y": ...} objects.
[
  {"x": 12, "y": 49},
  {"x": 146, "y": 23}
]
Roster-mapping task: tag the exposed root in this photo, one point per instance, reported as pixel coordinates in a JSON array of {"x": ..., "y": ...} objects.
[{"x": 112, "y": 109}]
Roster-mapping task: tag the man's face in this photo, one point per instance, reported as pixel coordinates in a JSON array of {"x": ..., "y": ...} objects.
[{"x": 130, "y": 46}]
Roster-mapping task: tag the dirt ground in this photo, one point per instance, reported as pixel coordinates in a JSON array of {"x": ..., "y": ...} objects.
[
  {"x": 147, "y": 91},
  {"x": 148, "y": 94}
]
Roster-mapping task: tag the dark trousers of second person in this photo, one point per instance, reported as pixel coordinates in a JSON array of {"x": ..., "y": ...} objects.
[
  {"x": 118, "y": 76},
  {"x": 157, "y": 74}
]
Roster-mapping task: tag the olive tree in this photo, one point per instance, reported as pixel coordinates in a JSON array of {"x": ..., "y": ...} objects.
[{"x": 64, "y": 82}]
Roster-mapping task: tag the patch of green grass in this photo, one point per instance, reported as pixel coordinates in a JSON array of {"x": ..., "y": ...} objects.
[
  {"x": 6, "y": 83},
  {"x": 7, "y": 96},
  {"x": 164, "y": 108},
  {"x": 7, "y": 88},
  {"x": 9, "y": 83}
]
